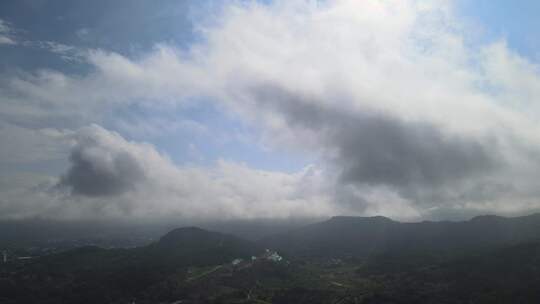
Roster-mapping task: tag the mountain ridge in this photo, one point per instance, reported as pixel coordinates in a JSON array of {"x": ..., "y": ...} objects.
[
  {"x": 377, "y": 259},
  {"x": 365, "y": 236}
]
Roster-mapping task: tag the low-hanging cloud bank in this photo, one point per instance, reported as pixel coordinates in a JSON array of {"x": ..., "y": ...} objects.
[
  {"x": 130, "y": 179},
  {"x": 408, "y": 116}
]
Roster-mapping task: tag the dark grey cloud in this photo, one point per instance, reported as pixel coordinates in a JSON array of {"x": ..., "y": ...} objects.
[
  {"x": 96, "y": 173},
  {"x": 375, "y": 148},
  {"x": 378, "y": 149}
]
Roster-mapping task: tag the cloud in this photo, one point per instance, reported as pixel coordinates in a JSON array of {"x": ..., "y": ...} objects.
[
  {"x": 392, "y": 95},
  {"x": 66, "y": 52},
  {"x": 6, "y": 33},
  {"x": 405, "y": 113},
  {"x": 22, "y": 145},
  {"x": 112, "y": 177},
  {"x": 374, "y": 147},
  {"x": 102, "y": 164}
]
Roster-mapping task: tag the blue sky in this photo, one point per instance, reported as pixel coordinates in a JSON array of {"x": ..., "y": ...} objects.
[
  {"x": 516, "y": 21},
  {"x": 133, "y": 28},
  {"x": 346, "y": 117},
  {"x": 129, "y": 27}
]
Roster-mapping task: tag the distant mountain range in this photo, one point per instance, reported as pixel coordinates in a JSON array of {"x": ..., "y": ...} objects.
[
  {"x": 362, "y": 237},
  {"x": 488, "y": 259}
]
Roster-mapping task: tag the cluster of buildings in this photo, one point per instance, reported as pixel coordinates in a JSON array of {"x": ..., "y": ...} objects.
[
  {"x": 9, "y": 257},
  {"x": 268, "y": 255}
]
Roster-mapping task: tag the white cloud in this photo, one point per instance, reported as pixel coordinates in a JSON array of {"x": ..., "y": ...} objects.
[
  {"x": 21, "y": 145},
  {"x": 112, "y": 177},
  {"x": 395, "y": 87},
  {"x": 6, "y": 40},
  {"x": 6, "y": 33},
  {"x": 66, "y": 52}
]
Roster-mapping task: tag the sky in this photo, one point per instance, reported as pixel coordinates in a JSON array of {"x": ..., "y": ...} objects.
[{"x": 202, "y": 110}]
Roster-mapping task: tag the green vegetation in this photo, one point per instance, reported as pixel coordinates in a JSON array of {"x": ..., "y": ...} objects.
[{"x": 370, "y": 263}]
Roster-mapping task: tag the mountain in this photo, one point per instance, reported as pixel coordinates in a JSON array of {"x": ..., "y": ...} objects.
[
  {"x": 488, "y": 259},
  {"x": 338, "y": 236},
  {"x": 363, "y": 237},
  {"x": 195, "y": 246},
  {"x": 96, "y": 275}
]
